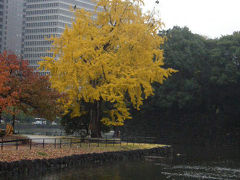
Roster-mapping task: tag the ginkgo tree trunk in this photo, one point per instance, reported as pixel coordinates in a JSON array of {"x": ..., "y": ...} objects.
[{"x": 106, "y": 56}]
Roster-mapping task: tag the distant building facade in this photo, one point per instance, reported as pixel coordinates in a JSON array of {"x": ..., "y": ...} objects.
[
  {"x": 29, "y": 24},
  {"x": 43, "y": 19},
  {"x": 13, "y": 26},
  {"x": 1, "y": 23}
]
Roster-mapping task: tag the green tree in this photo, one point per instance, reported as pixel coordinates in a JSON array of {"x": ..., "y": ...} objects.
[{"x": 201, "y": 101}]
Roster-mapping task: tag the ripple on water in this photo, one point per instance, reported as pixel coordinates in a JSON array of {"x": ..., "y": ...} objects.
[{"x": 201, "y": 172}]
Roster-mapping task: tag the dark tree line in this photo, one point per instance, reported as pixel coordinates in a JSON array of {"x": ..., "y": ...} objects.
[{"x": 201, "y": 103}]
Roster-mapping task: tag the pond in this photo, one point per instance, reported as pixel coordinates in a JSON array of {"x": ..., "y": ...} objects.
[{"x": 190, "y": 163}]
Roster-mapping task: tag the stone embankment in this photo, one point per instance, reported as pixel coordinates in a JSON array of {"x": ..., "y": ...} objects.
[{"x": 37, "y": 166}]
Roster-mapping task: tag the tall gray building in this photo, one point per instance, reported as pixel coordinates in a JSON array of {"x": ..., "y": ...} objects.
[
  {"x": 26, "y": 25},
  {"x": 43, "y": 19},
  {"x": 1, "y": 23},
  {"x": 13, "y": 26}
]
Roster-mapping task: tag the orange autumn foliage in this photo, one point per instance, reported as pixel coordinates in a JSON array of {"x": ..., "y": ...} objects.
[{"x": 22, "y": 89}]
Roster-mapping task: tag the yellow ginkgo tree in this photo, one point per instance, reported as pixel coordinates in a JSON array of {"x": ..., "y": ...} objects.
[{"x": 107, "y": 60}]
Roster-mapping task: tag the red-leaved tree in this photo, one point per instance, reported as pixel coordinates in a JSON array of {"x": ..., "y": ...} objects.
[{"x": 22, "y": 89}]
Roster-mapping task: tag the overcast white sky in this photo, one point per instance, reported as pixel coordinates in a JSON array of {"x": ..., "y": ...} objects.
[{"x": 211, "y": 18}]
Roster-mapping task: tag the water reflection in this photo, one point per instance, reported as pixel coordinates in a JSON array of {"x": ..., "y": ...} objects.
[
  {"x": 144, "y": 170},
  {"x": 202, "y": 172},
  {"x": 121, "y": 171},
  {"x": 190, "y": 163}
]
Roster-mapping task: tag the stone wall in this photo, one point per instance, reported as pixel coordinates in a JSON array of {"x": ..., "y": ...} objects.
[{"x": 38, "y": 166}]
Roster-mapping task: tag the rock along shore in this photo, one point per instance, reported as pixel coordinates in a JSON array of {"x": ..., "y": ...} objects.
[{"x": 39, "y": 166}]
